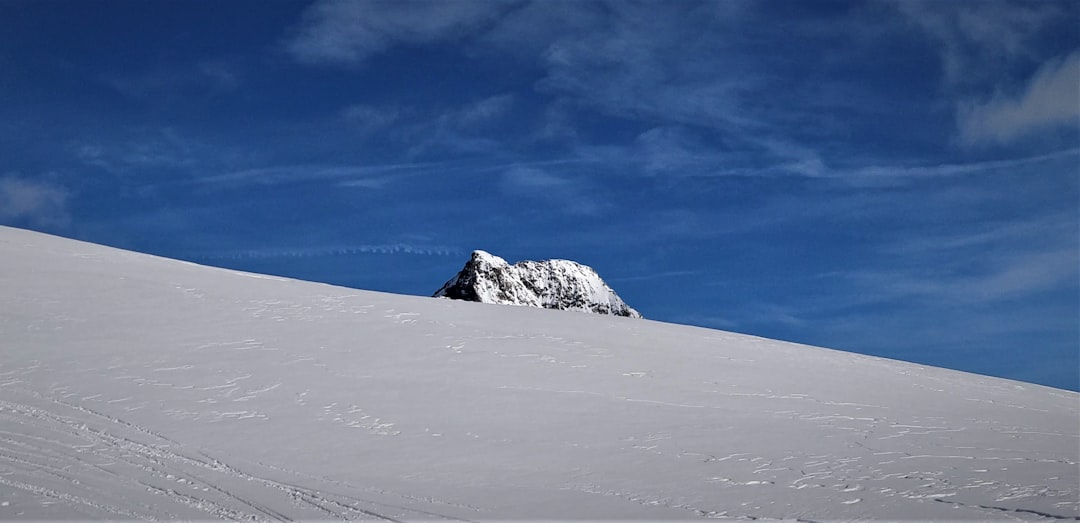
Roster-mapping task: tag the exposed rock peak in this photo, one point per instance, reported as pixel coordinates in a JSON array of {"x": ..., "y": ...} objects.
[{"x": 549, "y": 284}]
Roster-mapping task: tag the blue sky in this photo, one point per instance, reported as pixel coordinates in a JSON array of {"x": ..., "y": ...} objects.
[{"x": 897, "y": 178}]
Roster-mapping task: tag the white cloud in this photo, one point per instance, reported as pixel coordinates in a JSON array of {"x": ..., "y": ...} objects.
[
  {"x": 898, "y": 174},
  {"x": 369, "y": 176},
  {"x": 978, "y": 37},
  {"x": 142, "y": 150},
  {"x": 481, "y": 112},
  {"x": 370, "y": 118},
  {"x": 208, "y": 77},
  {"x": 999, "y": 278},
  {"x": 624, "y": 67},
  {"x": 555, "y": 192},
  {"x": 37, "y": 202},
  {"x": 347, "y": 32},
  {"x": 997, "y": 261},
  {"x": 671, "y": 150},
  {"x": 1050, "y": 99},
  {"x": 334, "y": 250},
  {"x": 464, "y": 129}
]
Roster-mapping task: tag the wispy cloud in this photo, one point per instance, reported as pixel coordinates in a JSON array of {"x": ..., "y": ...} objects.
[
  {"x": 655, "y": 276},
  {"x": 38, "y": 202},
  {"x": 892, "y": 174},
  {"x": 348, "y": 32},
  {"x": 983, "y": 44},
  {"x": 997, "y": 278},
  {"x": 370, "y": 176},
  {"x": 676, "y": 153},
  {"x": 335, "y": 250},
  {"x": 480, "y": 112},
  {"x": 670, "y": 150},
  {"x": 997, "y": 261},
  {"x": 200, "y": 79},
  {"x": 1050, "y": 99},
  {"x": 1051, "y": 230},
  {"x": 557, "y": 193},
  {"x": 978, "y": 38},
  {"x": 621, "y": 65},
  {"x": 369, "y": 118},
  {"x": 142, "y": 150},
  {"x": 469, "y": 128}
]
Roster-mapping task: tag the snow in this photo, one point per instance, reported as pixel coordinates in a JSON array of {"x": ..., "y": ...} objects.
[
  {"x": 139, "y": 387},
  {"x": 549, "y": 284},
  {"x": 488, "y": 258}
]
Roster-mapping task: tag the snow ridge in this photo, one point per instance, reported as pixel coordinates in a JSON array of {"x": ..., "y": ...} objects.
[{"x": 549, "y": 284}]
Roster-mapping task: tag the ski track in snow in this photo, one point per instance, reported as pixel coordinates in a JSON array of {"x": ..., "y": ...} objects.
[
  {"x": 151, "y": 389},
  {"x": 109, "y": 450}
]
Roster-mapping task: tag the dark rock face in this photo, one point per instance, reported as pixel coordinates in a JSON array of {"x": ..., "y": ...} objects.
[{"x": 551, "y": 284}]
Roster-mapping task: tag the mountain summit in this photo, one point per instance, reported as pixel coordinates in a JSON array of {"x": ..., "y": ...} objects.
[{"x": 549, "y": 284}]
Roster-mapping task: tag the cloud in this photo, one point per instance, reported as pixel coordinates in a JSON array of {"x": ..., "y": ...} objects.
[
  {"x": 670, "y": 149},
  {"x": 144, "y": 150},
  {"x": 897, "y": 174},
  {"x": 464, "y": 129},
  {"x": 557, "y": 193},
  {"x": 369, "y": 176},
  {"x": 997, "y": 279},
  {"x": 370, "y": 118},
  {"x": 348, "y": 32},
  {"x": 623, "y": 65},
  {"x": 656, "y": 276},
  {"x": 204, "y": 78},
  {"x": 979, "y": 38},
  {"x": 338, "y": 250},
  {"x": 678, "y": 153},
  {"x": 996, "y": 261},
  {"x": 480, "y": 112},
  {"x": 37, "y": 202},
  {"x": 1050, "y": 99}
]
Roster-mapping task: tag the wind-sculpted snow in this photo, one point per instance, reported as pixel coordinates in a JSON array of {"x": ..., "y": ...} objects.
[
  {"x": 139, "y": 387},
  {"x": 550, "y": 284}
]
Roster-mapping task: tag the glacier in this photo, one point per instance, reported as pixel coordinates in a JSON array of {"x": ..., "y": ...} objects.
[{"x": 138, "y": 387}]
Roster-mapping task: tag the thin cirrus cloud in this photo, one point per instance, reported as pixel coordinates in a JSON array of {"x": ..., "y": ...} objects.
[
  {"x": 1001, "y": 278},
  {"x": 368, "y": 118},
  {"x": 206, "y": 78},
  {"x": 348, "y": 32},
  {"x": 613, "y": 58},
  {"x": 333, "y": 250},
  {"x": 552, "y": 192},
  {"x": 1050, "y": 99},
  {"x": 992, "y": 263},
  {"x": 38, "y": 202},
  {"x": 462, "y": 129},
  {"x": 368, "y": 176},
  {"x": 974, "y": 34},
  {"x": 143, "y": 150}
]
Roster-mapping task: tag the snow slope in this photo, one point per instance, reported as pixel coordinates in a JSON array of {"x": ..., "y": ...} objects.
[
  {"x": 139, "y": 387},
  {"x": 549, "y": 284}
]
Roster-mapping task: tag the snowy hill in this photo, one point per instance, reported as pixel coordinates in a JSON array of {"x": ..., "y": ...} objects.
[
  {"x": 550, "y": 284},
  {"x": 140, "y": 387}
]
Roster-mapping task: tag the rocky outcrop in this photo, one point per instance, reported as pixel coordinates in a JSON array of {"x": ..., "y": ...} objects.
[{"x": 550, "y": 284}]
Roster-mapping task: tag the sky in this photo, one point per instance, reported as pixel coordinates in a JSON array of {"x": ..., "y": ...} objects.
[{"x": 895, "y": 178}]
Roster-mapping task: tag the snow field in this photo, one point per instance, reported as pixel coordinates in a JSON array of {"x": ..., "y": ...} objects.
[{"x": 139, "y": 387}]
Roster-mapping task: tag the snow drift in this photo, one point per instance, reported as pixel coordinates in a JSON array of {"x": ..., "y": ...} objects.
[{"x": 139, "y": 387}]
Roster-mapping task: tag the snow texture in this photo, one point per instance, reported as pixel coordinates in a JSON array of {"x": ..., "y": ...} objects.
[
  {"x": 133, "y": 386},
  {"x": 550, "y": 284}
]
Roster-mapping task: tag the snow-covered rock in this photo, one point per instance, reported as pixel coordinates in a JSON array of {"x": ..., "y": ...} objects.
[{"x": 550, "y": 284}]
